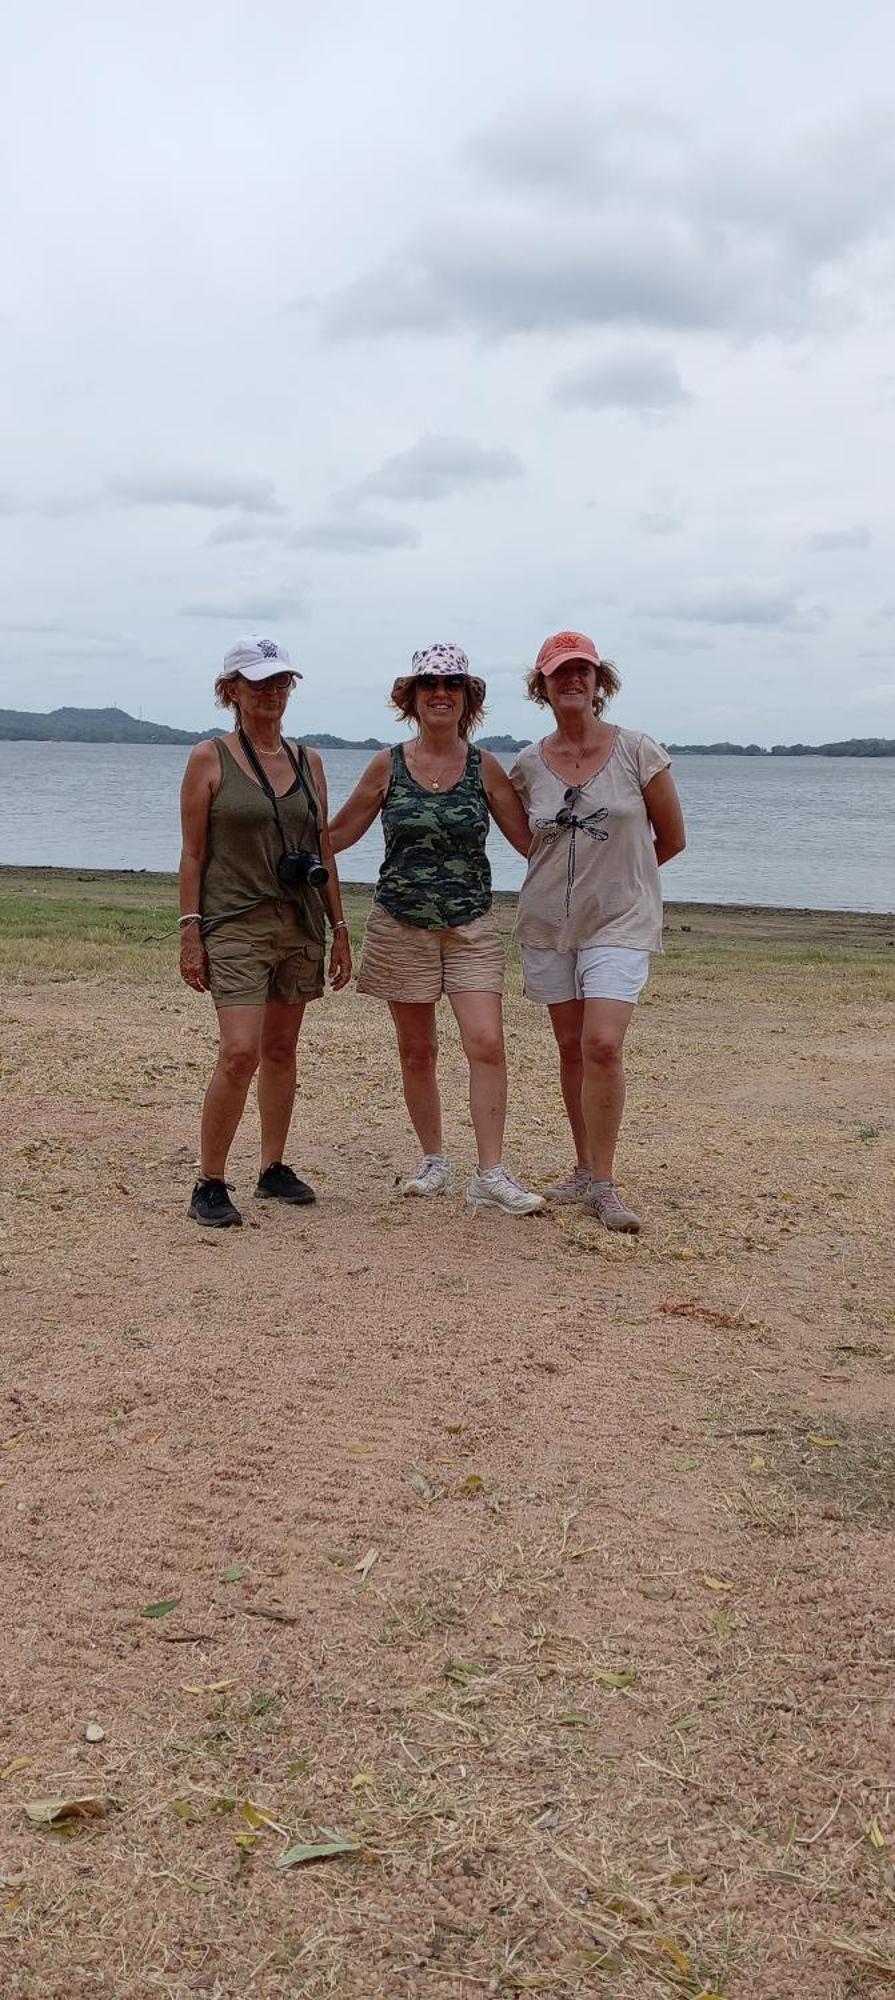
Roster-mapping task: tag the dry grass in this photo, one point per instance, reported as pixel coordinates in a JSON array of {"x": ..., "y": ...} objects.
[{"x": 542, "y": 1568}]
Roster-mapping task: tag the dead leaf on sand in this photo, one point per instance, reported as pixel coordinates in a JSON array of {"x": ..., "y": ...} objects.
[
  {"x": 422, "y": 1485},
  {"x": 365, "y": 1565},
  {"x": 317, "y": 1850},
  {"x": 49, "y": 1812},
  {"x": 205, "y": 1687}
]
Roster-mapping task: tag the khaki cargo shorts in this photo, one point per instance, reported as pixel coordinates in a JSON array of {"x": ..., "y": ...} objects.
[
  {"x": 263, "y": 954},
  {"x": 401, "y": 962}
]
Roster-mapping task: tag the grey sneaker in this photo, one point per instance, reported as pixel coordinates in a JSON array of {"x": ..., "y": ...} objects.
[
  {"x": 433, "y": 1175},
  {"x": 573, "y": 1188},
  {"x": 604, "y": 1202},
  {"x": 501, "y": 1190}
]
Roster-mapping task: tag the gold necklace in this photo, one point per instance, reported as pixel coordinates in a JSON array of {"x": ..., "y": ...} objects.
[{"x": 432, "y": 784}]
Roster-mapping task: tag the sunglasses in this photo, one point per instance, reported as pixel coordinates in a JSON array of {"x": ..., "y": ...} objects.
[
  {"x": 429, "y": 682},
  {"x": 570, "y": 799}
]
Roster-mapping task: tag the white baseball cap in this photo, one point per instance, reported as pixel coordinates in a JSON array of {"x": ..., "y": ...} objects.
[{"x": 258, "y": 659}]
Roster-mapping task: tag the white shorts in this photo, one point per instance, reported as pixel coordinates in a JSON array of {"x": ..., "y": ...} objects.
[{"x": 602, "y": 972}]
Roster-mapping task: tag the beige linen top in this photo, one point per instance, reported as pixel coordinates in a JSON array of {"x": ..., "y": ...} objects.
[{"x": 596, "y": 880}]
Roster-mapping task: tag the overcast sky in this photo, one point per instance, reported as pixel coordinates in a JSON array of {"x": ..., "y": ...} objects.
[{"x": 365, "y": 326}]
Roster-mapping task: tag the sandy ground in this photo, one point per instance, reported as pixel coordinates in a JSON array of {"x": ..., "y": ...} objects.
[{"x": 551, "y": 1571}]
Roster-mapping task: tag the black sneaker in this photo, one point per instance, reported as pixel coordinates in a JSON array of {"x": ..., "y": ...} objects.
[
  {"x": 211, "y": 1204},
  {"x": 279, "y": 1183}
]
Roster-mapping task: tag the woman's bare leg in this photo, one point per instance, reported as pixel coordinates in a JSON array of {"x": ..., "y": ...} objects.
[
  {"x": 480, "y": 1021},
  {"x": 276, "y": 1076},
  {"x": 239, "y": 1053},
  {"x": 603, "y": 1095},
  {"x": 567, "y": 1022},
  {"x": 418, "y": 1049}
]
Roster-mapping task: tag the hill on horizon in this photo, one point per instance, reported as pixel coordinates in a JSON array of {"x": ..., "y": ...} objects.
[{"x": 115, "y": 725}]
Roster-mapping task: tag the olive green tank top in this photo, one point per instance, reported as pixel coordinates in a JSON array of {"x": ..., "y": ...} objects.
[
  {"x": 244, "y": 846},
  {"x": 435, "y": 875}
]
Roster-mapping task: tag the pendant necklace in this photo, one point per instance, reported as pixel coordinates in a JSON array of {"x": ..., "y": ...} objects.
[{"x": 431, "y": 784}]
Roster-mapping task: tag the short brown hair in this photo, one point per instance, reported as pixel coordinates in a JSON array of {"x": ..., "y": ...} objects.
[
  {"x": 225, "y": 687},
  {"x": 608, "y": 684},
  {"x": 403, "y": 698}
]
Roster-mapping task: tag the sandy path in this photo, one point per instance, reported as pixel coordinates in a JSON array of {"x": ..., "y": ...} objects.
[{"x": 610, "y": 1711}]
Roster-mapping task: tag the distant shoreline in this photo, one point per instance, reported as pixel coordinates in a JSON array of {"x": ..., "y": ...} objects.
[{"x": 114, "y": 725}]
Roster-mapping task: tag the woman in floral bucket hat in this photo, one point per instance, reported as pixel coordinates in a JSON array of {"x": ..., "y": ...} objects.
[
  {"x": 604, "y": 816},
  {"x": 432, "y": 930}
]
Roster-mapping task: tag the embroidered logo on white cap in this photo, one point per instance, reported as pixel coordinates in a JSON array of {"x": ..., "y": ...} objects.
[{"x": 258, "y": 659}]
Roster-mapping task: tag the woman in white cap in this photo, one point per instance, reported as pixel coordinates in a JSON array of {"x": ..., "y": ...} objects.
[
  {"x": 432, "y": 929},
  {"x": 257, "y": 878},
  {"x": 604, "y": 815}
]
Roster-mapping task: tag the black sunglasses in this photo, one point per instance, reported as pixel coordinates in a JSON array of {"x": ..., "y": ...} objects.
[
  {"x": 431, "y": 681},
  {"x": 570, "y": 799}
]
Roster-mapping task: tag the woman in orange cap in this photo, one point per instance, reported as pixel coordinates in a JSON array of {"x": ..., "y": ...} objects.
[{"x": 604, "y": 815}]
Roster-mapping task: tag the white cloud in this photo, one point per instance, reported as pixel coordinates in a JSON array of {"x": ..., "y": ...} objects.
[
  {"x": 247, "y": 528},
  {"x": 640, "y": 225},
  {"x": 348, "y": 531},
  {"x": 642, "y": 384},
  {"x": 735, "y": 604},
  {"x": 439, "y": 466},
  {"x": 253, "y": 605},
  {"x": 828, "y": 540},
  {"x": 195, "y": 489},
  {"x": 31, "y": 627},
  {"x": 500, "y": 275},
  {"x": 655, "y": 522}
]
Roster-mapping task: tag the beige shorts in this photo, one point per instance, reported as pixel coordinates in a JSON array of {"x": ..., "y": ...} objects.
[
  {"x": 401, "y": 962},
  {"x": 263, "y": 954}
]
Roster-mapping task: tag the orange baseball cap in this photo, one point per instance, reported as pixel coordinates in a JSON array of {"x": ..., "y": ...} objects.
[{"x": 566, "y": 646}]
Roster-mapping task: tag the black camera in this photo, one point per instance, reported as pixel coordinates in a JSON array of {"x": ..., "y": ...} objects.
[{"x": 297, "y": 869}]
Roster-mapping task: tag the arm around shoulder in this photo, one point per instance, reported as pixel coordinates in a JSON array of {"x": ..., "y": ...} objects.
[
  {"x": 505, "y": 804},
  {"x": 356, "y": 816}
]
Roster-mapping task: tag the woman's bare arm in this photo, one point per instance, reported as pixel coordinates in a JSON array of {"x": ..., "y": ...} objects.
[
  {"x": 200, "y": 782},
  {"x": 505, "y": 804},
  {"x": 340, "y": 952},
  {"x": 665, "y": 816},
  {"x": 356, "y": 816}
]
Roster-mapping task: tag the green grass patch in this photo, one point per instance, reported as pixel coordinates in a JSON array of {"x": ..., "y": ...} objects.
[{"x": 57, "y": 924}]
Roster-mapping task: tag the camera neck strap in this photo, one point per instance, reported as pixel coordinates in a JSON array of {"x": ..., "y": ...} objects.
[{"x": 251, "y": 755}]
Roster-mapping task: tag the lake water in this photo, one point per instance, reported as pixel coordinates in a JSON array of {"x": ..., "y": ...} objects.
[{"x": 801, "y": 832}]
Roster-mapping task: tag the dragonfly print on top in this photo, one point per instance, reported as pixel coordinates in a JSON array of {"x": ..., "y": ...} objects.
[
  {"x": 593, "y": 877},
  {"x": 568, "y": 821}
]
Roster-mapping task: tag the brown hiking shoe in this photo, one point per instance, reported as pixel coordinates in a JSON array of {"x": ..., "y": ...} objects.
[
  {"x": 573, "y": 1188},
  {"x": 604, "y": 1202}
]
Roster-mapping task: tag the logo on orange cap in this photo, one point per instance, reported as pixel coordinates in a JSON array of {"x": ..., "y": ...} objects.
[{"x": 565, "y": 646}]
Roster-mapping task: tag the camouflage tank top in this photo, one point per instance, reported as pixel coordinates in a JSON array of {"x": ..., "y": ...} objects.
[{"x": 435, "y": 875}]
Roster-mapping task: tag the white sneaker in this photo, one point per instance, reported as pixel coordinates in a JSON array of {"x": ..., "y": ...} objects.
[
  {"x": 433, "y": 1175},
  {"x": 498, "y": 1189}
]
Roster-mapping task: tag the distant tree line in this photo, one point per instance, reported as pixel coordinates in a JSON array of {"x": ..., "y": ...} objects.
[
  {"x": 854, "y": 746},
  {"x": 114, "y": 725}
]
